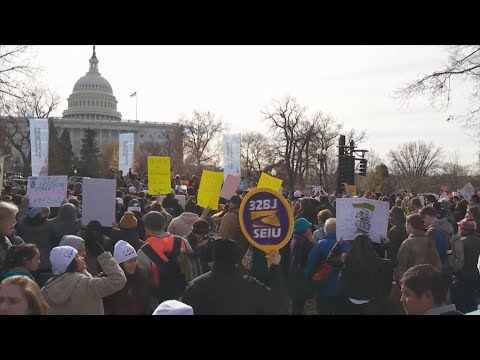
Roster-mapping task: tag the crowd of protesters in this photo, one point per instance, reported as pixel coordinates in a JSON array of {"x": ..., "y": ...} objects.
[{"x": 163, "y": 256}]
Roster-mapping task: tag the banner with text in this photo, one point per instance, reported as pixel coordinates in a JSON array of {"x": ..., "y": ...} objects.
[
  {"x": 159, "y": 181},
  {"x": 126, "y": 145},
  {"x": 47, "y": 191},
  {"x": 231, "y": 154},
  {"x": 39, "y": 146}
]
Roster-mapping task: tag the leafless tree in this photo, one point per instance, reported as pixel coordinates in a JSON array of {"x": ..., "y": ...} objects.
[
  {"x": 377, "y": 173},
  {"x": 415, "y": 159},
  {"x": 16, "y": 70},
  {"x": 35, "y": 101},
  {"x": 256, "y": 155},
  {"x": 453, "y": 171},
  {"x": 357, "y": 136},
  {"x": 199, "y": 132},
  {"x": 463, "y": 64},
  {"x": 284, "y": 118},
  {"x": 5, "y": 146}
]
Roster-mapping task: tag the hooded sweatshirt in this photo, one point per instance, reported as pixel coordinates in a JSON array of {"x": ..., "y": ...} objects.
[
  {"x": 440, "y": 232},
  {"x": 182, "y": 225},
  {"x": 66, "y": 223},
  {"x": 79, "y": 294}
]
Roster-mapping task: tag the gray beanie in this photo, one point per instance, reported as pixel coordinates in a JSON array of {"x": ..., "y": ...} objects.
[{"x": 71, "y": 240}]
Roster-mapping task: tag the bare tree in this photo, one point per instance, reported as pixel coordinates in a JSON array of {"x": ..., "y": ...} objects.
[
  {"x": 415, "y": 159},
  {"x": 464, "y": 64},
  {"x": 199, "y": 133},
  {"x": 15, "y": 71},
  {"x": 284, "y": 118},
  {"x": 377, "y": 178},
  {"x": 453, "y": 171},
  {"x": 34, "y": 102},
  {"x": 257, "y": 154},
  {"x": 357, "y": 136},
  {"x": 5, "y": 146}
]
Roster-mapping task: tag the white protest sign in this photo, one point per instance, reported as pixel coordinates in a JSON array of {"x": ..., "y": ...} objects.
[
  {"x": 467, "y": 191},
  {"x": 47, "y": 191},
  {"x": 98, "y": 201},
  {"x": 126, "y": 144},
  {"x": 231, "y": 154},
  {"x": 357, "y": 216},
  {"x": 39, "y": 146}
]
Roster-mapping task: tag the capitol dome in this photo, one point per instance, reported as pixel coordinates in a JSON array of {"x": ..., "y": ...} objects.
[{"x": 92, "y": 97}]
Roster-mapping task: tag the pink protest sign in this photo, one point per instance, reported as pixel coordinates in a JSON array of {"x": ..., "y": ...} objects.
[{"x": 230, "y": 186}]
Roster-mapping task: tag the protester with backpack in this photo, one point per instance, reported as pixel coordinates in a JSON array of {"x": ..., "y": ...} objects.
[
  {"x": 467, "y": 279},
  {"x": 166, "y": 258},
  {"x": 324, "y": 276}
]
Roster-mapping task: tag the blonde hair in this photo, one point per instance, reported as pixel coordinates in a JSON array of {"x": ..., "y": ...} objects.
[
  {"x": 7, "y": 210},
  {"x": 35, "y": 299}
]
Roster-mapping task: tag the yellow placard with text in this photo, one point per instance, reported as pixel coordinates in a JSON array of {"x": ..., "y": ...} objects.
[
  {"x": 269, "y": 182},
  {"x": 159, "y": 181},
  {"x": 209, "y": 190}
]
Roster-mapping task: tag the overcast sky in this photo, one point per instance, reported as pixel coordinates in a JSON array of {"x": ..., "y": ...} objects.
[{"x": 354, "y": 84}]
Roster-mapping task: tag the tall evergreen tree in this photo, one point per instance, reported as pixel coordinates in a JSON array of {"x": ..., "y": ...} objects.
[
  {"x": 55, "y": 166},
  {"x": 66, "y": 154},
  {"x": 89, "y": 155}
]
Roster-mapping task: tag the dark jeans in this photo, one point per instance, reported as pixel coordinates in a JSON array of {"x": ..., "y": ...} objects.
[
  {"x": 346, "y": 307},
  {"x": 301, "y": 290},
  {"x": 327, "y": 305},
  {"x": 464, "y": 295}
]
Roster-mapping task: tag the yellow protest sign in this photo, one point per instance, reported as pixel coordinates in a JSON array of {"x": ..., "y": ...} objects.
[
  {"x": 269, "y": 182},
  {"x": 159, "y": 181},
  {"x": 350, "y": 190},
  {"x": 209, "y": 190}
]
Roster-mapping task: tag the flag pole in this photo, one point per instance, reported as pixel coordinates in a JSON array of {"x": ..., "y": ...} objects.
[{"x": 136, "y": 107}]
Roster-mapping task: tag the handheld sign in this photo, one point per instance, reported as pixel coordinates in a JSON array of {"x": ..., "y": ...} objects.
[
  {"x": 266, "y": 219},
  {"x": 47, "y": 191}
]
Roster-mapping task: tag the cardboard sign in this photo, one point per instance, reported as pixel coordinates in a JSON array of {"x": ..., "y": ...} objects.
[
  {"x": 98, "y": 201},
  {"x": 266, "y": 219},
  {"x": 357, "y": 216},
  {"x": 47, "y": 191},
  {"x": 467, "y": 191},
  {"x": 230, "y": 186}
]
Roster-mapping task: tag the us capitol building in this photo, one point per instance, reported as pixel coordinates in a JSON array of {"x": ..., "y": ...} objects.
[{"x": 92, "y": 105}]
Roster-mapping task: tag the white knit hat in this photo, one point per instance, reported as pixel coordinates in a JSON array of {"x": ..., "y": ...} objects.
[
  {"x": 123, "y": 251},
  {"x": 173, "y": 307},
  {"x": 132, "y": 190},
  {"x": 61, "y": 257}
]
